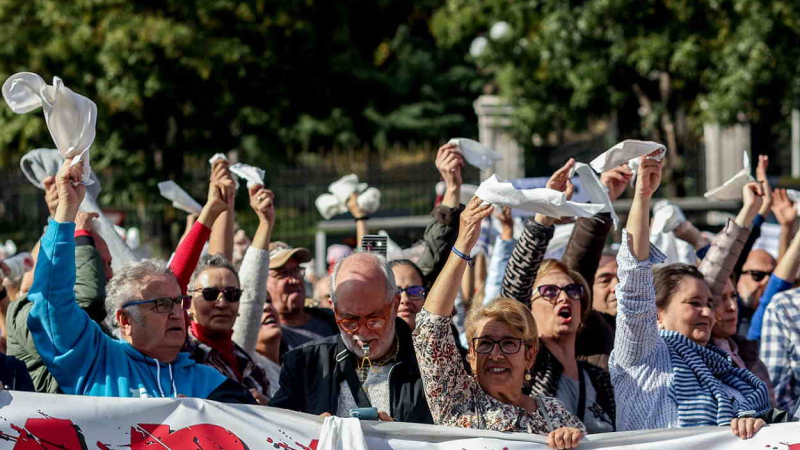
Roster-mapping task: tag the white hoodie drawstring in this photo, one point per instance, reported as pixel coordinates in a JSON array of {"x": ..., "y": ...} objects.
[
  {"x": 174, "y": 389},
  {"x": 158, "y": 377}
]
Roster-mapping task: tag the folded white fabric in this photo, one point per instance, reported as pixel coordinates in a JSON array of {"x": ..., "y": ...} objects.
[
  {"x": 341, "y": 434},
  {"x": 676, "y": 250},
  {"x": 218, "y": 157},
  {"x": 476, "y": 153},
  {"x": 329, "y": 205},
  {"x": 666, "y": 217},
  {"x": 549, "y": 202},
  {"x": 596, "y": 191},
  {"x": 467, "y": 191},
  {"x": 253, "y": 175},
  {"x": 180, "y": 198},
  {"x": 41, "y": 163},
  {"x": 732, "y": 189},
  {"x": 624, "y": 151},
  {"x": 71, "y": 118},
  {"x": 121, "y": 254}
]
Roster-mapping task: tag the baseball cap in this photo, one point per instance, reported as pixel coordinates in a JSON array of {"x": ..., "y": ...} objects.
[{"x": 281, "y": 252}]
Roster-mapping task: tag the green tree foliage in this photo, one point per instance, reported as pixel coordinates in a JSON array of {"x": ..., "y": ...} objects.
[
  {"x": 663, "y": 66},
  {"x": 266, "y": 77}
]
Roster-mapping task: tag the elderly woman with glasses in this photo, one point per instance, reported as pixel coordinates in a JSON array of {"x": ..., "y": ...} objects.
[{"x": 503, "y": 345}]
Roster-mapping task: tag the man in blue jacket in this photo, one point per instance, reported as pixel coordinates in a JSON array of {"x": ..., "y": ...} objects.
[{"x": 148, "y": 306}]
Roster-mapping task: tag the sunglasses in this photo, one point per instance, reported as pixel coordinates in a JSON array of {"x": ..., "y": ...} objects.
[
  {"x": 165, "y": 305},
  {"x": 550, "y": 292},
  {"x": 508, "y": 346},
  {"x": 413, "y": 292},
  {"x": 757, "y": 275},
  {"x": 230, "y": 293}
]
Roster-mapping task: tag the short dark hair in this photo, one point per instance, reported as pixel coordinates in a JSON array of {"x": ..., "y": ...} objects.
[
  {"x": 668, "y": 278},
  {"x": 209, "y": 261},
  {"x": 407, "y": 262}
]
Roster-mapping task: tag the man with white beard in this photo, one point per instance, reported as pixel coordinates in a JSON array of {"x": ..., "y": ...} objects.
[{"x": 371, "y": 363}]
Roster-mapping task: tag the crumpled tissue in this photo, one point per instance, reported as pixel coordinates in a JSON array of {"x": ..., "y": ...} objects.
[
  {"x": 476, "y": 153},
  {"x": 624, "y": 151},
  {"x": 335, "y": 202},
  {"x": 253, "y": 175},
  {"x": 732, "y": 189},
  {"x": 71, "y": 118},
  {"x": 549, "y": 202},
  {"x": 180, "y": 198}
]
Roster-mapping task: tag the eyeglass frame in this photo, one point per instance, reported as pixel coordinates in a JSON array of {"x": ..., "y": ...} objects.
[
  {"x": 298, "y": 272},
  {"x": 185, "y": 302},
  {"x": 496, "y": 343},
  {"x": 221, "y": 291},
  {"x": 424, "y": 292},
  {"x": 560, "y": 289},
  {"x": 363, "y": 321}
]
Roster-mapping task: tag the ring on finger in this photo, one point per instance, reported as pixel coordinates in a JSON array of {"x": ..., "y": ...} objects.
[{"x": 262, "y": 197}]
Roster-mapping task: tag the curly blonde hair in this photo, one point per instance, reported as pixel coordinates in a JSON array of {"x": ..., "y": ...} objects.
[{"x": 509, "y": 311}]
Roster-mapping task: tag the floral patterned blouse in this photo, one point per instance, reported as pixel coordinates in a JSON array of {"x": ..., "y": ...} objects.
[{"x": 457, "y": 400}]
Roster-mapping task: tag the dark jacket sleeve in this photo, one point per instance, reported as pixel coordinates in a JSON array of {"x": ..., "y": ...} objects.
[
  {"x": 438, "y": 240},
  {"x": 232, "y": 392},
  {"x": 525, "y": 261},
  {"x": 585, "y": 247},
  {"x": 90, "y": 279},
  {"x": 288, "y": 396}
]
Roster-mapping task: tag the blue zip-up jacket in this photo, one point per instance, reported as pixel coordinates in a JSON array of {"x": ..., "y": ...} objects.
[{"x": 84, "y": 360}]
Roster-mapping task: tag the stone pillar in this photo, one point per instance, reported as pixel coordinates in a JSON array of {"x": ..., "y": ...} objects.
[
  {"x": 723, "y": 157},
  {"x": 494, "y": 121}
]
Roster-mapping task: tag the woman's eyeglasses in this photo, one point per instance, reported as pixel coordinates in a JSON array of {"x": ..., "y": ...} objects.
[
  {"x": 757, "y": 275},
  {"x": 230, "y": 293},
  {"x": 166, "y": 304},
  {"x": 413, "y": 292},
  {"x": 550, "y": 292},
  {"x": 508, "y": 346}
]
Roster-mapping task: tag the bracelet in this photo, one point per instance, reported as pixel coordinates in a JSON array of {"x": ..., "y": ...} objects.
[
  {"x": 361, "y": 218},
  {"x": 470, "y": 261}
]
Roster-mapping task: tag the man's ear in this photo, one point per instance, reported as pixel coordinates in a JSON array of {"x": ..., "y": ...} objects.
[
  {"x": 124, "y": 322},
  {"x": 396, "y": 302}
]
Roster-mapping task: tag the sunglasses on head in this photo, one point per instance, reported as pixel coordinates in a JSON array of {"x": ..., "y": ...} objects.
[
  {"x": 230, "y": 293},
  {"x": 757, "y": 275},
  {"x": 413, "y": 292},
  {"x": 551, "y": 291}
]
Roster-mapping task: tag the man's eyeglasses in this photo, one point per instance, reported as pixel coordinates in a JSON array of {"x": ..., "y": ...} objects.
[
  {"x": 166, "y": 304},
  {"x": 297, "y": 272},
  {"x": 230, "y": 293},
  {"x": 413, "y": 292},
  {"x": 550, "y": 292},
  {"x": 757, "y": 275},
  {"x": 372, "y": 323},
  {"x": 508, "y": 346}
]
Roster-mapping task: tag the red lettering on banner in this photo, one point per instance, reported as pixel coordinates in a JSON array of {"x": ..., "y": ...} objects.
[
  {"x": 193, "y": 437},
  {"x": 49, "y": 434}
]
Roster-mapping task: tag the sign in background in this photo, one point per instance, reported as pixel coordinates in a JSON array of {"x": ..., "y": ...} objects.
[{"x": 43, "y": 421}]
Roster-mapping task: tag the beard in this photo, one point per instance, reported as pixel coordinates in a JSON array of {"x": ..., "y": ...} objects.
[{"x": 376, "y": 351}]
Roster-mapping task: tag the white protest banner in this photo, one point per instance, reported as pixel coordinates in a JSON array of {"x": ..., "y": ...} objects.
[{"x": 46, "y": 421}]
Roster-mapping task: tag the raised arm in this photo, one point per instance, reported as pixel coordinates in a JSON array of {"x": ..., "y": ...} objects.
[
  {"x": 637, "y": 332},
  {"x": 359, "y": 216},
  {"x": 527, "y": 256},
  {"x": 720, "y": 260},
  {"x": 784, "y": 211},
  {"x": 221, "y": 241},
  {"x": 254, "y": 271}
]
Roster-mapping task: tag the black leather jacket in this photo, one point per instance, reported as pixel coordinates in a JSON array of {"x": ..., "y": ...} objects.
[{"x": 312, "y": 377}]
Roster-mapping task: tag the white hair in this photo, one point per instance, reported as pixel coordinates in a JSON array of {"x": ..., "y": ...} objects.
[
  {"x": 127, "y": 284},
  {"x": 379, "y": 261}
]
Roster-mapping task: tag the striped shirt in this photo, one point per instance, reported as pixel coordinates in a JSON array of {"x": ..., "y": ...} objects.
[{"x": 780, "y": 344}]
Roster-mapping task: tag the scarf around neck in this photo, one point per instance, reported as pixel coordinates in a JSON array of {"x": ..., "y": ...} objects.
[
  {"x": 223, "y": 345},
  {"x": 699, "y": 373}
]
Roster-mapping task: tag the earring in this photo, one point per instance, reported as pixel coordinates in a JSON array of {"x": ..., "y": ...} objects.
[{"x": 527, "y": 377}]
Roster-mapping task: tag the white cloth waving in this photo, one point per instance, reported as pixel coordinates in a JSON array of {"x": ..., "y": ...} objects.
[
  {"x": 71, "y": 118},
  {"x": 476, "y": 153},
  {"x": 549, "y": 202},
  {"x": 253, "y": 175},
  {"x": 732, "y": 189},
  {"x": 625, "y": 151},
  {"x": 180, "y": 198}
]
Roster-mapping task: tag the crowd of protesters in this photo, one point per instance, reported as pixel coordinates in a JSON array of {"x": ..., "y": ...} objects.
[{"x": 476, "y": 331}]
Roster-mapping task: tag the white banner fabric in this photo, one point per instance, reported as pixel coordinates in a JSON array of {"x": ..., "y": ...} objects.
[{"x": 45, "y": 421}]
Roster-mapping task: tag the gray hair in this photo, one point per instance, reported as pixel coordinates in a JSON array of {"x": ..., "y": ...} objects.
[
  {"x": 377, "y": 260},
  {"x": 127, "y": 283},
  {"x": 210, "y": 261}
]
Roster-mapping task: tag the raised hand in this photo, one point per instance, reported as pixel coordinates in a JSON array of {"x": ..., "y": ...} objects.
[
  {"x": 50, "y": 194},
  {"x": 70, "y": 191},
  {"x": 449, "y": 163},
  {"x": 560, "y": 179},
  {"x": 564, "y": 438},
  {"x": 352, "y": 206},
  {"x": 506, "y": 223},
  {"x": 470, "y": 224},
  {"x": 783, "y": 208},
  {"x": 616, "y": 180},
  {"x": 261, "y": 200},
  {"x": 84, "y": 220},
  {"x": 649, "y": 177},
  {"x": 221, "y": 170},
  {"x": 761, "y": 176}
]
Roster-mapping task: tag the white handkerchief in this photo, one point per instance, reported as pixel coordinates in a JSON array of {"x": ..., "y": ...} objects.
[
  {"x": 794, "y": 196},
  {"x": 218, "y": 157},
  {"x": 329, "y": 205},
  {"x": 344, "y": 187},
  {"x": 595, "y": 190},
  {"x": 624, "y": 152},
  {"x": 666, "y": 217},
  {"x": 253, "y": 175},
  {"x": 71, "y": 118},
  {"x": 732, "y": 189},
  {"x": 180, "y": 198},
  {"x": 476, "y": 153},
  {"x": 549, "y": 202},
  {"x": 370, "y": 200}
]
